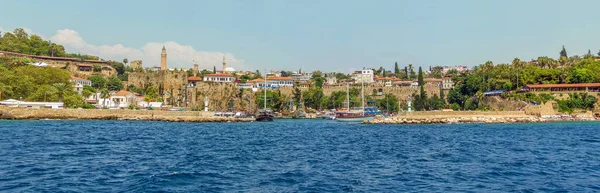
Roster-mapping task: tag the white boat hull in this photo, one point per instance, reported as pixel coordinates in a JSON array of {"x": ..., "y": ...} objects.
[{"x": 357, "y": 119}]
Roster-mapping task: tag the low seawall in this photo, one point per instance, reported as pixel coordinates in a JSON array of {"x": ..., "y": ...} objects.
[
  {"x": 106, "y": 114},
  {"x": 449, "y": 117}
]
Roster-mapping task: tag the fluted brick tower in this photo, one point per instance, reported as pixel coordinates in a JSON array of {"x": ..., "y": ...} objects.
[{"x": 163, "y": 59}]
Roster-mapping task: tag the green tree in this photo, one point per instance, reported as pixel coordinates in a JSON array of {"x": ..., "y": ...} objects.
[
  {"x": 582, "y": 75},
  {"x": 442, "y": 96},
  {"x": 61, "y": 88},
  {"x": 114, "y": 84},
  {"x": 313, "y": 98},
  {"x": 104, "y": 94},
  {"x": 98, "y": 82},
  {"x": 412, "y": 71},
  {"x": 42, "y": 93},
  {"x": 257, "y": 75},
  {"x": 420, "y": 77},
  {"x": 588, "y": 55},
  {"x": 118, "y": 66},
  {"x": 389, "y": 103},
  {"x": 73, "y": 100},
  {"x": 563, "y": 52},
  {"x": 274, "y": 100},
  {"x": 318, "y": 79},
  {"x": 125, "y": 61},
  {"x": 214, "y": 69},
  {"x": 297, "y": 93},
  {"x": 96, "y": 68},
  {"x": 396, "y": 69},
  {"x": 86, "y": 93},
  {"x": 455, "y": 97}
]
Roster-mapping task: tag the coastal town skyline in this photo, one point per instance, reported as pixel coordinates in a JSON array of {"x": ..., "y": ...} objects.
[{"x": 310, "y": 38}]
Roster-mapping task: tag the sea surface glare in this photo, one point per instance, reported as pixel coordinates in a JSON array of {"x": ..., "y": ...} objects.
[{"x": 297, "y": 156}]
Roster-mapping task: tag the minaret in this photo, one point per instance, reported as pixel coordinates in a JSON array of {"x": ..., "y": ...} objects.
[
  {"x": 224, "y": 64},
  {"x": 163, "y": 59},
  {"x": 195, "y": 69}
]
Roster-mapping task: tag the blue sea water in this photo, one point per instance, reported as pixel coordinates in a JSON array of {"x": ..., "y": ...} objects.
[{"x": 297, "y": 156}]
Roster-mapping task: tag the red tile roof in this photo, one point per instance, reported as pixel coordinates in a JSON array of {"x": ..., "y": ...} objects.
[
  {"x": 432, "y": 80},
  {"x": 271, "y": 78},
  {"x": 194, "y": 78},
  {"x": 280, "y": 78},
  {"x": 122, "y": 93},
  {"x": 219, "y": 75},
  {"x": 387, "y": 78},
  {"x": 582, "y": 85}
]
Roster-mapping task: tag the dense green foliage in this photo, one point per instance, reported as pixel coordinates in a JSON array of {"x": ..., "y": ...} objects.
[
  {"x": 114, "y": 84},
  {"x": 485, "y": 77},
  {"x": 38, "y": 84},
  {"x": 275, "y": 100},
  {"x": 577, "y": 101},
  {"x": 20, "y": 42},
  {"x": 389, "y": 103}
]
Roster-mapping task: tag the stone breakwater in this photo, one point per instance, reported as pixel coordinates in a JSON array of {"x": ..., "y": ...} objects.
[
  {"x": 105, "y": 114},
  {"x": 457, "y": 117}
]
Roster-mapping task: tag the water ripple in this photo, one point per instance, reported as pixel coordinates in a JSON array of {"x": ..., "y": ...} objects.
[{"x": 297, "y": 156}]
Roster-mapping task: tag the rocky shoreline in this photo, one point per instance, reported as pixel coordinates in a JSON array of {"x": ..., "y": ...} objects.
[
  {"x": 104, "y": 114},
  {"x": 454, "y": 120},
  {"x": 457, "y": 117}
]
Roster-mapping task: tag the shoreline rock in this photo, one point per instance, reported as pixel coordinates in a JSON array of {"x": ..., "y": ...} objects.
[
  {"x": 104, "y": 114},
  {"x": 432, "y": 117}
]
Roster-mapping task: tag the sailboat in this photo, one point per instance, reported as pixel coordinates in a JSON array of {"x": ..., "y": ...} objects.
[
  {"x": 357, "y": 115},
  {"x": 265, "y": 115}
]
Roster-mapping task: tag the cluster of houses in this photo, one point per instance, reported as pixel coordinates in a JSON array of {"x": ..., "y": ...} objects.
[
  {"x": 116, "y": 100},
  {"x": 274, "y": 79}
]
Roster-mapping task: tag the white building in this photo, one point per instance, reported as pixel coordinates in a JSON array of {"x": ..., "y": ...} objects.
[
  {"x": 79, "y": 83},
  {"x": 273, "y": 82},
  {"x": 459, "y": 68},
  {"x": 297, "y": 77},
  {"x": 121, "y": 99},
  {"x": 33, "y": 105},
  {"x": 386, "y": 81},
  {"x": 365, "y": 75},
  {"x": 244, "y": 85},
  {"x": 219, "y": 78},
  {"x": 331, "y": 80},
  {"x": 447, "y": 83}
]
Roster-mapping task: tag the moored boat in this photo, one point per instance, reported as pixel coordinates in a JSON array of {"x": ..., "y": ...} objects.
[
  {"x": 265, "y": 115},
  {"x": 354, "y": 116}
]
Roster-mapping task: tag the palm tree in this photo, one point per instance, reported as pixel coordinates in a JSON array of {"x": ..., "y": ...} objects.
[
  {"x": 86, "y": 94},
  {"x": 516, "y": 63},
  {"x": 125, "y": 61},
  {"x": 61, "y": 88},
  {"x": 411, "y": 71},
  {"x": 104, "y": 94}
]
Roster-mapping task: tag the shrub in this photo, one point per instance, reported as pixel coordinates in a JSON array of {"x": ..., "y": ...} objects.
[{"x": 455, "y": 106}]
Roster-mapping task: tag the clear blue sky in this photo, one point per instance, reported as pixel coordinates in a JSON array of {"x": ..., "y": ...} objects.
[{"x": 327, "y": 34}]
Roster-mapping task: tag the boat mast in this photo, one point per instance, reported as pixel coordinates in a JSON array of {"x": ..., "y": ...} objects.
[
  {"x": 362, "y": 86},
  {"x": 348, "y": 96},
  {"x": 265, "y": 87}
]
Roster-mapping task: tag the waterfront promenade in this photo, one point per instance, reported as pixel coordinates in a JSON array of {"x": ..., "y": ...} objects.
[{"x": 105, "y": 114}]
